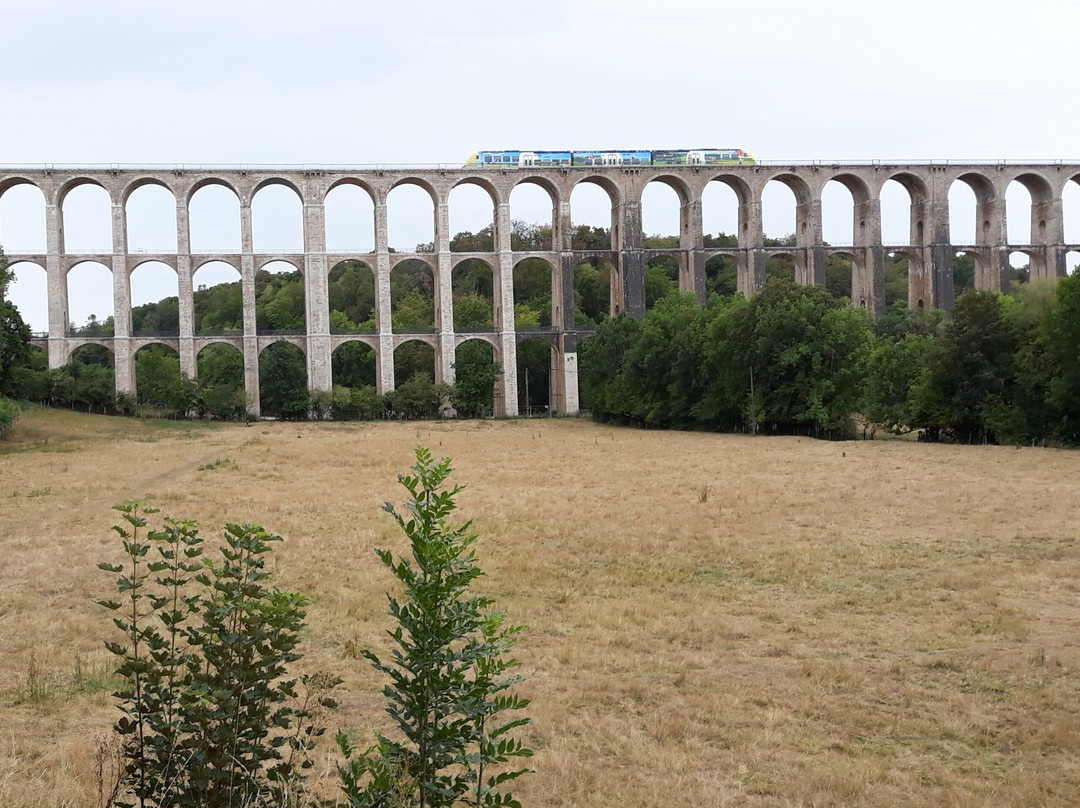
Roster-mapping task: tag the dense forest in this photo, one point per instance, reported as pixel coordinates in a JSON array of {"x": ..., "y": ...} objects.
[{"x": 791, "y": 359}]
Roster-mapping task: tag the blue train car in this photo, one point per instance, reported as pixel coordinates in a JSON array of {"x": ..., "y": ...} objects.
[{"x": 610, "y": 157}]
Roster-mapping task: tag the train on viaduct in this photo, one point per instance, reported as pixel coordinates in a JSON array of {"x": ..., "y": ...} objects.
[{"x": 927, "y": 249}]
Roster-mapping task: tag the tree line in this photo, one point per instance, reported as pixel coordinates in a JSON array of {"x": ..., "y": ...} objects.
[
  {"x": 792, "y": 359},
  {"x": 796, "y": 359}
]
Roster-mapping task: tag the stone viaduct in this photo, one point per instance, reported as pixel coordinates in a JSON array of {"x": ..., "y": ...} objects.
[{"x": 927, "y": 249}]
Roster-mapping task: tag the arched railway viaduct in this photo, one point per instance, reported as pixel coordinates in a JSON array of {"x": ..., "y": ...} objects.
[{"x": 927, "y": 248}]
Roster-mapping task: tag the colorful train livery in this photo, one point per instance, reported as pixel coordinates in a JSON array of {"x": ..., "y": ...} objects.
[{"x": 610, "y": 157}]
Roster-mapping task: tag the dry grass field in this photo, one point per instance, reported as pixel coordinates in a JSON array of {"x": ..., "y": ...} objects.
[{"x": 714, "y": 620}]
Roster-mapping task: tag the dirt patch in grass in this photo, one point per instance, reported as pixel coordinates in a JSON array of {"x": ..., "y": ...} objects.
[{"x": 831, "y": 624}]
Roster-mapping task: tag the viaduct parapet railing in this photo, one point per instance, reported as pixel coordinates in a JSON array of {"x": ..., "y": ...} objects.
[{"x": 928, "y": 250}]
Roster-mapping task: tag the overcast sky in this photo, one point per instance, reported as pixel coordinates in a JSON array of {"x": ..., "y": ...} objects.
[{"x": 420, "y": 82}]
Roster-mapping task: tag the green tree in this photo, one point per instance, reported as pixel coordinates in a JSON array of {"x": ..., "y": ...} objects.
[
  {"x": 14, "y": 333},
  {"x": 1063, "y": 343},
  {"x": 449, "y": 673},
  {"x": 283, "y": 390},
  {"x": 805, "y": 352},
  {"x": 210, "y": 719},
  {"x": 893, "y": 369},
  {"x": 476, "y": 373},
  {"x": 969, "y": 372}
]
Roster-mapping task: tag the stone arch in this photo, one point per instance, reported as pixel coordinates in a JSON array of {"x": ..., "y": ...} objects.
[
  {"x": 740, "y": 190},
  {"x": 214, "y": 218},
  {"x": 677, "y": 224},
  {"x": 88, "y": 299},
  {"x": 463, "y": 216},
  {"x": 150, "y": 217},
  {"x": 472, "y": 282},
  {"x": 354, "y": 363},
  {"x": 547, "y": 235},
  {"x": 592, "y": 210},
  {"x": 1072, "y": 262},
  {"x": 968, "y": 268},
  {"x": 987, "y": 219},
  {"x": 904, "y": 277},
  {"x": 1070, "y": 210},
  {"x": 277, "y": 217},
  {"x": 536, "y": 369},
  {"x": 100, "y": 353},
  {"x": 7, "y": 183},
  {"x": 154, "y": 298},
  {"x": 207, "y": 182},
  {"x": 474, "y": 358},
  {"x": 280, "y": 298},
  {"x": 1033, "y": 220},
  {"x": 415, "y": 355},
  {"x": 156, "y": 369},
  {"x": 780, "y": 263},
  {"x": 142, "y": 182},
  {"x": 85, "y": 206},
  {"x": 413, "y": 239},
  {"x": 219, "y": 368},
  {"x": 23, "y": 225},
  {"x": 1023, "y": 271},
  {"x": 902, "y": 220},
  {"x": 533, "y": 287},
  {"x": 841, "y": 280},
  {"x": 29, "y": 292},
  {"x": 413, "y": 286},
  {"x": 800, "y": 197},
  {"x": 839, "y": 225},
  {"x": 347, "y": 204},
  {"x": 283, "y": 379},
  {"x": 352, "y": 297},
  {"x": 217, "y": 298},
  {"x": 863, "y": 229},
  {"x": 77, "y": 182}
]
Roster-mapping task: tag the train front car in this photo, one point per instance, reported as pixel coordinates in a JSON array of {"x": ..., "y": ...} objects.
[{"x": 702, "y": 157}]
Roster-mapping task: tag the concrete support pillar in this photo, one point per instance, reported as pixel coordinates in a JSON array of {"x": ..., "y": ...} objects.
[
  {"x": 506, "y": 392},
  {"x": 124, "y": 361},
  {"x": 57, "y": 285},
  {"x": 809, "y": 239},
  {"x": 990, "y": 233},
  {"x": 444, "y": 297},
  {"x": 565, "y": 374},
  {"x": 562, "y": 275},
  {"x": 935, "y": 287},
  {"x": 188, "y": 359},
  {"x": 692, "y": 243},
  {"x": 751, "y": 274},
  {"x": 384, "y": 355},
  {"x": 247, "y": 290},
  {"x": 868, "y": 280},
  {"x": 1048, "y": 231},
  {"x": 626, "y": 223},
  {"x": 316, "y": 303}
]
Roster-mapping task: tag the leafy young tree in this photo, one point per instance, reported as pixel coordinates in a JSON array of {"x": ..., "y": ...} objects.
[
  {"x": 14, "y": 332},
  {"x": 448, "y": 674},
  {"x": 209, "y": 717}
]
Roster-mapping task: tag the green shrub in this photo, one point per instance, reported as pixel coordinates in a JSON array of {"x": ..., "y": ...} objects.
[
  {"x": 210, "y": 719},
  {"x": 448, "y": 674}
]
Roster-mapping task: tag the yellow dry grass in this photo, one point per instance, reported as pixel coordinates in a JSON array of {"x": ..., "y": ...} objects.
[{"x": 714, "y": 620}]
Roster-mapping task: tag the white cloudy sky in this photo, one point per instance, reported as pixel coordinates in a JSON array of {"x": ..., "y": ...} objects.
[{"x": 334, "y": 82}]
